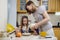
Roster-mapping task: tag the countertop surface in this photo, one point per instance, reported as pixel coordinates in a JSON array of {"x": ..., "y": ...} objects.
[
  {"x": 29, "y": 38},
  {"x": 56, "y": 26}
]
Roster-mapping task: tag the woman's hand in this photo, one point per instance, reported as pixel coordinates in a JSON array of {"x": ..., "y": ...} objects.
[{"x": 36, "y": 25}]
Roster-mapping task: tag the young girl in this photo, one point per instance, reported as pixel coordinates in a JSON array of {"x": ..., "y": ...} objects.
[
  {"x": 25, "y": 27},
  {"x": 24, "y": 24}
]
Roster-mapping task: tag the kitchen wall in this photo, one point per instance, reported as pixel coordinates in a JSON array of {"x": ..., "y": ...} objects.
[
  {"x": 12, "y": 13},
  {"x": 53, "y": 18},
  {"x": 3, "y": 14}
]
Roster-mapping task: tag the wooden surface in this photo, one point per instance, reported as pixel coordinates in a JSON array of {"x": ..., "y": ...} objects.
[
  {"x": 57, "y": 32},
  {"x": 57, "y": 5},
  {"x": 52, "y": 6}
]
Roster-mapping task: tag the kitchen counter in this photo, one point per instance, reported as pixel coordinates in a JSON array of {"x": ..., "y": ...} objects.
[
  {"x": 32, "y": 37},
  {"x": 56, "y": 26}
]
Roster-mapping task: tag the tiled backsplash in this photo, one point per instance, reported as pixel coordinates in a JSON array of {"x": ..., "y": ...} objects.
[{"x": 53, "y": 18}]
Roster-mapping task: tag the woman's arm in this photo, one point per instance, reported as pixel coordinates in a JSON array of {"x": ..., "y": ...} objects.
[{"x": 45, "y": 20}]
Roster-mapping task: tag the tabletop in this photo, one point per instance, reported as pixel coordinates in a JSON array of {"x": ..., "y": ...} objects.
[{"x": 32, "y": 37}]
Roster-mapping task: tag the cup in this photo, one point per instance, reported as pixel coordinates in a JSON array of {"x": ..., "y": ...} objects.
[{"x": 43, "y": 34}]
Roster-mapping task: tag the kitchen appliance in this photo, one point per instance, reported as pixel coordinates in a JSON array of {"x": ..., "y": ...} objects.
[{"x": 58, "y": 24}]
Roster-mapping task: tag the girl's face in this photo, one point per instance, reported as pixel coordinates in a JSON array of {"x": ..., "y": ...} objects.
[{"x": 25, "y": 21}]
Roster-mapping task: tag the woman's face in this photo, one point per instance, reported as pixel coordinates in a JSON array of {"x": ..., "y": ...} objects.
[
  {"x": 31, "y": 8},
  {"x": 25, "y": 21}
]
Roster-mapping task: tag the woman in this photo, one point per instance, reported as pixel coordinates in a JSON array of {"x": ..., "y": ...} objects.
[{"x": 41, "y": 18}]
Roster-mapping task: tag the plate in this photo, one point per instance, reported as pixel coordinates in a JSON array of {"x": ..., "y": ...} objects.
[{"x": 26, "y": 34}]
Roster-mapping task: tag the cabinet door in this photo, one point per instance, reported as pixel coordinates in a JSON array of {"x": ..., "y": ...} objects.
[
  {"x": 57, "y": 32},
  {"x": 21, "y": 5},
  {"x": 51, "y": 5},
  {"x": 57, "y": 5}
]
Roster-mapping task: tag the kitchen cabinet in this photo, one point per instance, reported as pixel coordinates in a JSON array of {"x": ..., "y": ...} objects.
[
  {"x": 45, "y": 3},
  {"x": 52, "y": 6},
  {"x": 49, "y": 4},
  {"x": 21, "y": 6},
  {"x": 57, "y": 5},
  {"x": 57, "y": 32}
]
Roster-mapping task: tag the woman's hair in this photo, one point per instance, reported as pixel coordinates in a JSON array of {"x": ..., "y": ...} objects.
[
  {"x": 22, "y": 21},
  {"x": 27, "y": 4}
]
